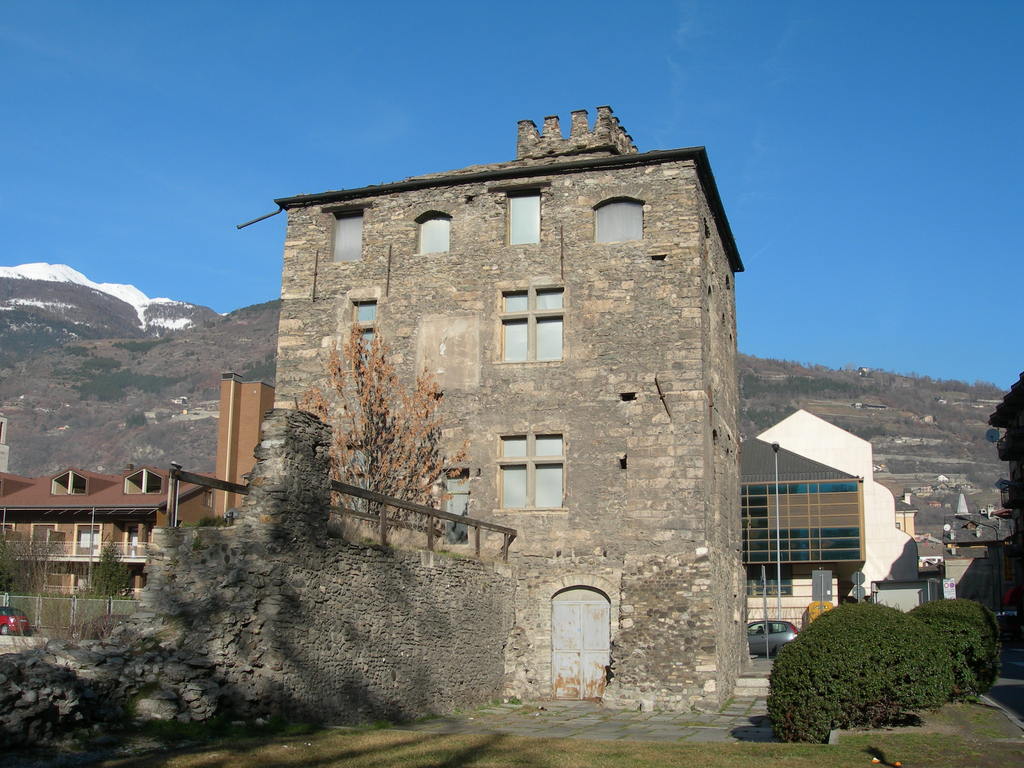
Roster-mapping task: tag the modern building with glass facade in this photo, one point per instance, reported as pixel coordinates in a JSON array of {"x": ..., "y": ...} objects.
[
  {"x": 805, "y": 515},
  {"x": 816, "y": 522}
]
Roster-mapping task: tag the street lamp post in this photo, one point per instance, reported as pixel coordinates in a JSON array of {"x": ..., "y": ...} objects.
[{"x": 778, "y": 538}]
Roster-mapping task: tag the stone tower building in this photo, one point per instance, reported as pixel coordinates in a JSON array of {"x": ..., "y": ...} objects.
[{"x": 577, "y": 307}]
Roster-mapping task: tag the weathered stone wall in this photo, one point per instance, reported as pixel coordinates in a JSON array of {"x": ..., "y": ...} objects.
[
  {"x": 48, "y": 691},
  {"x": 645, "y": 395},
  {"x": 307, "y": 626}
]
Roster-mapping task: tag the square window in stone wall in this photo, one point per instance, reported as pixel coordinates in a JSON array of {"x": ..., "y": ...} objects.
[
  {"x": 532, "y": 325},
  {"x": 524, "y": 218},
  {"x": 348, "y": 236},
  {"x": 532, "y": 469}
]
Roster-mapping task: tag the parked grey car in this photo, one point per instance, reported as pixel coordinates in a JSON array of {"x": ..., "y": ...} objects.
[{"x": 779, "y": 633}]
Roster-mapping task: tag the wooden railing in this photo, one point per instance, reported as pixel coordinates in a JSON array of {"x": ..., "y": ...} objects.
[{"x": 426, "y": 521}]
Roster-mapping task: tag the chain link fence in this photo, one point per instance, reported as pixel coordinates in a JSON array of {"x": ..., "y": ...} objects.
[{"x": 71, "y": 617}]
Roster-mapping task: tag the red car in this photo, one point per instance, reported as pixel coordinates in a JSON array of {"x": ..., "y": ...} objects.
[{"x": 13, "y": 621}]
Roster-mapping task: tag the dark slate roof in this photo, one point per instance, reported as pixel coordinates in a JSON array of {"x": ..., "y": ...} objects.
[
  {"x": 1006, "y": 412},
  {"x": 757, "y": 465},
  {"x": 527, "y": 169}
]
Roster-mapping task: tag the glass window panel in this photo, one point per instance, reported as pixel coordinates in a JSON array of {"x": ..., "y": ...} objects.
[
  {"x": 367, "y": 336},
  {"x": 516, "y": 302},
  {"x": 435, "y": 235},
  {"x": 549, "y": 338},
  {"x": 548, "y": 445},
  {"x": 514, "y": 343},
  {"x": 513, "y": 487},
  {"x": 549, "y": 299},
  {"x": 348, "y": 238},
  {"x": 513, "y": 447},
  {"x": 366, "y": 311},
  {"x": 524, "y": 219},
  {"x": 549, "y": 485},
  {"x": 620, "y": 221}
]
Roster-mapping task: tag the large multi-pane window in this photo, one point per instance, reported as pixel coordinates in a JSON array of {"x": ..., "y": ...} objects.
[
  {"x": 348, "y": 236},
  {"x": 524, "y": 218},
  {"x": 531, "y": 324},
  {"x": 619, "y": 220},
  {"x": 818, "y": 522},
  {"x": 532, "y": 469}
]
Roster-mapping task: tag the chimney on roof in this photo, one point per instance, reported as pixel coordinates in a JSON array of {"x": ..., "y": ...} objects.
[
  {"x": 607, "y": 138},
  {"x": 4, "y": 448}
]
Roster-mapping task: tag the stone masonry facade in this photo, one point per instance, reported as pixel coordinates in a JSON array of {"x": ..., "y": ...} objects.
[
  {"x": 642, "y": 393},
  {"x": 297, "y": 623}
]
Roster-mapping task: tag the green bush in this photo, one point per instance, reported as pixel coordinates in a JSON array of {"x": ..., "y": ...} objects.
[
  {"x": 971, "y": 635},
  {"x": 861, "y": 665}
]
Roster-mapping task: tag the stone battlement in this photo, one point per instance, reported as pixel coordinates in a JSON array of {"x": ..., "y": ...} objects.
[{"x": 608, "y": 136}]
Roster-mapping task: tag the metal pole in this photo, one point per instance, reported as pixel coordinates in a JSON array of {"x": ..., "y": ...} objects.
[
  {"x": 764, "y": 599},
  {"x": 778, "y": 537},
  {"x": 92, "y": 545}
]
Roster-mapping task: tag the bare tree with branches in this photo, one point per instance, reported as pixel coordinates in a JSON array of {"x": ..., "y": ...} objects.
[{"x": 387, "y": 436}]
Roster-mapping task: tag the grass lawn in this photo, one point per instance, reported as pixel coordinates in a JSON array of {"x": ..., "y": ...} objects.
[{"x": 959, "y": 736}]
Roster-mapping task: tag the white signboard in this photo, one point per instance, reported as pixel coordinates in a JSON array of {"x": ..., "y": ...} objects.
[{"x": 949, "y": 589}]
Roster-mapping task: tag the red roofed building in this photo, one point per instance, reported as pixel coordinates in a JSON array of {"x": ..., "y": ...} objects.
[{"x": 76, "y": 512}]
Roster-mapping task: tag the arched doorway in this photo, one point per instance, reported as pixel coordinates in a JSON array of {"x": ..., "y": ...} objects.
[{"x": 580, "y": 633}]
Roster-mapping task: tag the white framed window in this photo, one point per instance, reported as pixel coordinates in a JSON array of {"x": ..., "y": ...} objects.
[
  {"x": 87, "y": 538},
  {"x": 143, "y": 481},
  {"x": 434, "y": 232},
  {"x": 524, "y": 218},
  {"x": 532, "y": 471},
  {"x": 348, "y": 236},
  {"x": 618, "y": 220},
  {"x": 532, "y": 323},
  {"x": 364, "y": 315},
  {"x": 70, "y": 483}
]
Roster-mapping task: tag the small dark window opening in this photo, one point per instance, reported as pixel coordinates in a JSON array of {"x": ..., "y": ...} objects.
[
  {"x": 622, "y": 461},
  {"x": 627, "y": 396},
  {"x": 658, "y": 256},
  {"x": 726, "y": 282},
  {"x": 709, "y": 290},
  {"x": 707, "y": 229}
]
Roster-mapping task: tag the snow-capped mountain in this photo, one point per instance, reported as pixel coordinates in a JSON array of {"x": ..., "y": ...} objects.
[{"x": 42, "y": 305}]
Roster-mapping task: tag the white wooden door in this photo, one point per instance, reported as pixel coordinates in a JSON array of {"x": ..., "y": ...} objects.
[{"x": 580, "y": 634}]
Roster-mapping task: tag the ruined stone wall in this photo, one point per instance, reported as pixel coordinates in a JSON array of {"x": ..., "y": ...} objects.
[{"x": 306, "y": 626}]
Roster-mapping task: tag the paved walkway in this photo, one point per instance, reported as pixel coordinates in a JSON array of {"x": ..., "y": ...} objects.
[{"x": 743, "y": 719}]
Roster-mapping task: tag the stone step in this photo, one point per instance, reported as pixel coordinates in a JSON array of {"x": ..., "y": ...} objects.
[{"x": 752, "y": 686}]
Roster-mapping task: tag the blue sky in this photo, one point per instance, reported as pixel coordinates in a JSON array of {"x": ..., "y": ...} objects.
[{"x": 868, "y": 154}]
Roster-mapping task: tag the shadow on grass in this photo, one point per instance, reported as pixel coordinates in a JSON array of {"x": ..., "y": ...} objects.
[{"x": 407, "y": 749}]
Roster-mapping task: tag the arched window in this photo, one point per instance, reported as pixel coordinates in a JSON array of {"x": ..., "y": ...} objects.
[
  {"x": 618, "y": 219},
  {"x": 435, "y": 232}
]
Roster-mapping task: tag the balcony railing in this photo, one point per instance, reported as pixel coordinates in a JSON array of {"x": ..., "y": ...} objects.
[
  {"x": 1011, "y": 445},
  {"x": 69, "y": 550},
  {"x": 1012, "y": 497}
]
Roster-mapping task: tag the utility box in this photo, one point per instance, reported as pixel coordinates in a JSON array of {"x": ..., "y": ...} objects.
[{"x": 821, "y": 586}]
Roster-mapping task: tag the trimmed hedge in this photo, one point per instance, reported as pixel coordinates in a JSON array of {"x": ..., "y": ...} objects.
[
  {"x": 860, "y": 665},
  {"x": 971, "y": 635}
]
